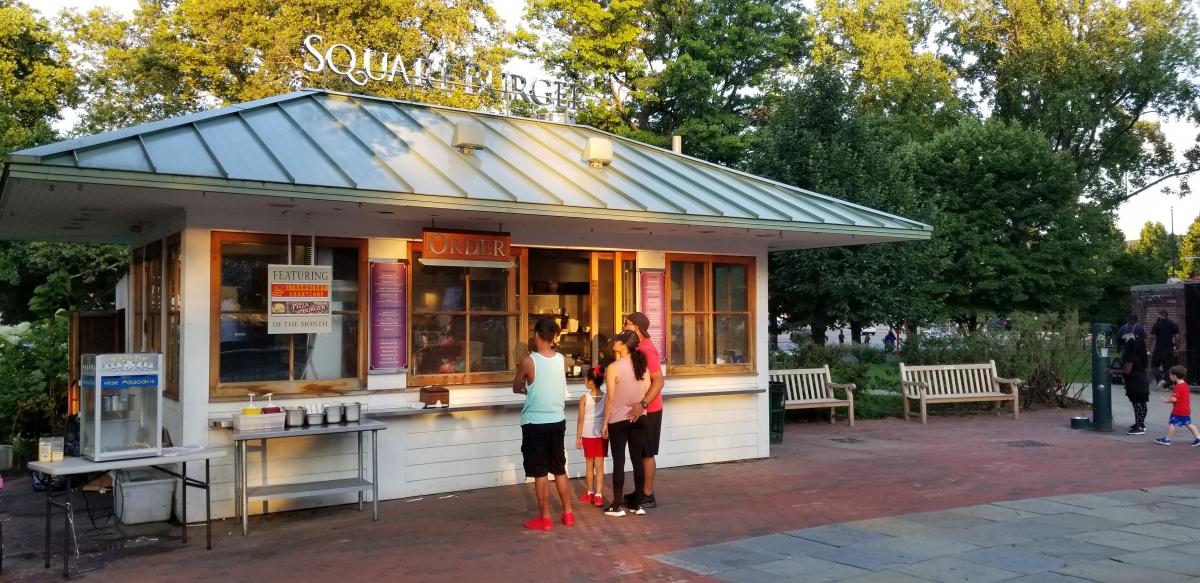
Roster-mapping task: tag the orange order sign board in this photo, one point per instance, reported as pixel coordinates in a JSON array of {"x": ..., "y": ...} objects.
[
  {"x": 471, "y": 247},
  {"x": 299, "y": 299}
]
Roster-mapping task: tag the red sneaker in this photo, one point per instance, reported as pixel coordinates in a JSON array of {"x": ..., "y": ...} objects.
[
  {"x": 586, "y": 498},
  {"x": 568, "y": 519},
  {"x": 598, "y": 501},
  {"x": 540, "y": 523}
]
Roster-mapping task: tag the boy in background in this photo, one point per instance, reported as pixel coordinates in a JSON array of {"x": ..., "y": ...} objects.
[{"x": 1181, "y": 413}]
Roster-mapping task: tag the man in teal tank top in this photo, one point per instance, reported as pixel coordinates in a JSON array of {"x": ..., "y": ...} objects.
[{"x": 542, "y": 378}]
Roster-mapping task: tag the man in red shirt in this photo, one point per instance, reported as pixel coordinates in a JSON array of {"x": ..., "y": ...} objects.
[
  {"x": 651, "y": 403},
  {"x": 1181, "y": 412}
]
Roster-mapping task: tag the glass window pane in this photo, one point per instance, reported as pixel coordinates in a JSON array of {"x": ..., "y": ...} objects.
[
  {"x": 344, "y": 260},
  {"x": 333, "y": 355},
  {"x": 490, "y": 289},
  {"x": 174, "y": 299},
  {"x": 138, "y": 291},
  {"x": 730, "y": 339},
  {"x": 248, "y": 353},
  {"x": 687, "y": 287},
  {"x": 628, "y": 287},
  {"x": 438, "y": 344},
  {"x": 688, "y": 340},
  {"x": 491, "y": 337},
  {"x": 730, "y": 287},
  {"x": 244, "y": 274},
  {"x": 606, "y": 296},
  {"x": 437, "y": 289}
]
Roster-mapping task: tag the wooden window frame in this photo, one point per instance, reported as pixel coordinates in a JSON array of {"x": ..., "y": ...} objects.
[
  {"x": 708, "y": 313},
  {"x": 218, "y": 391},
  {"x": 172, "y": 304},
  {"x": 468, "y": 378}
]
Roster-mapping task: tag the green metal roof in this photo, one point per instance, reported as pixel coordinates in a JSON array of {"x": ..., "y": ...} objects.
[{"x": 325, "y": 145}]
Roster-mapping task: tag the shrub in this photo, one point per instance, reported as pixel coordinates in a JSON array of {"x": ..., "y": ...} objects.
[{"x": 33, "y": 381}]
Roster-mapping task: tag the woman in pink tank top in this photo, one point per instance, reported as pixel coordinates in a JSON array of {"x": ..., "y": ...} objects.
[{"x": 627, "y": 383}]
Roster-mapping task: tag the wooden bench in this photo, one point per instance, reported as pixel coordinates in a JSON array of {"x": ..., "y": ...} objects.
[
  {"x": 812, "y": 388},
  {"x": 957, "y": 383}
]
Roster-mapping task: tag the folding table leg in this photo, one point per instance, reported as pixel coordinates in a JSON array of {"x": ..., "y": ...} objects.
[
  {"x": 49, "y": 493},
  {"x": 67, "y": 531},
  {"x": 184, "y": 487},
  {"x": 208, "y": 503}
]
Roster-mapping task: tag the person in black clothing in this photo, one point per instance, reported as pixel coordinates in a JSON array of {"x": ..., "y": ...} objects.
[
  {"x": 1164, "y": 347},
  {"x": 1131, "y": 326},
  {"x": 1137, "y": 384}
]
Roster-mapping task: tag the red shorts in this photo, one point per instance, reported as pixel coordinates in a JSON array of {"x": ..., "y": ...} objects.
[{"x": 595, "y": 447}]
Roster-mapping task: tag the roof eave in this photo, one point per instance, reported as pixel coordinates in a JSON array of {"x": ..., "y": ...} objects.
[{"x": 434, "y": 201}]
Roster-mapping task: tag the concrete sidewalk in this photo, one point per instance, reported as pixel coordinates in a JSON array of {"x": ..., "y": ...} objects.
[
  {"x": 821, "y": 475},
  {"x": 1112, "y": 537}
]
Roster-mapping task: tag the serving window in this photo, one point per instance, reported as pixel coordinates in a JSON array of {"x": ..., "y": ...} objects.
[
  {"x": 247, "y": 358},
  {"x": 710, "y": 314}
]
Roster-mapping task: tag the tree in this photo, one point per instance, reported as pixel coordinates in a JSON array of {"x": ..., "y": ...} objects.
[
  {"x": 819, "y": 138},
  {"x": 93, "y": 274},
  {"x": 1093, "y": 77},
  {"x": 36, "y": 78},
  {"x": 884, "y": 49},
  {"x": 1189, "y": 246},
  {"x": 179, "y": 56},
  {"x": 697, "y": 68},
  {"x": 1019, "y": 235}
]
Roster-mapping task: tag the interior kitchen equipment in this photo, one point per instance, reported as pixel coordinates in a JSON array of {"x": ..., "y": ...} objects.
[{"x": 121, "y": 415}]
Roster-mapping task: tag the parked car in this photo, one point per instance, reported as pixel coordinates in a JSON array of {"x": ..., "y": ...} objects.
[{"x": 868, "y": 331}]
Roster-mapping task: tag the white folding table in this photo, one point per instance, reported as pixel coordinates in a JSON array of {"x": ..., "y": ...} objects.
[{"x": 73, "y": 466}]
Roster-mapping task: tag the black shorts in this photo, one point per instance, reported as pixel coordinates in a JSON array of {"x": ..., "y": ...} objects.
[
  {"x": 653, "y": 433},
  {"x": 543, "y": 450}
]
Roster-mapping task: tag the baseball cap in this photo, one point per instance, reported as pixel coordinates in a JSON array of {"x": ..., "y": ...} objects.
[{"x": 641, "y": 321}]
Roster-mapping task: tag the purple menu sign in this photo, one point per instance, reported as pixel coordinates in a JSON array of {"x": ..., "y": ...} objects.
[
  {"x": 654, "y": 306},
  {"x": 389, "y": 317}
]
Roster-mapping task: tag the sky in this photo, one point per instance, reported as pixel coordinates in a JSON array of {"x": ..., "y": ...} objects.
[{"x": 1148, "y": 206}]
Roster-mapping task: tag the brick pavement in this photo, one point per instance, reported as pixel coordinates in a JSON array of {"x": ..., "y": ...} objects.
[{"x": 822, "y": 475}]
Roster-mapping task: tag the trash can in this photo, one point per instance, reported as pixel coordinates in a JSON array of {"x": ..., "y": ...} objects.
[{"x": 778, "y": 393}]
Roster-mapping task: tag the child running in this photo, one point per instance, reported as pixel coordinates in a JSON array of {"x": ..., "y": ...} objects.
[
  {"x": 1181, "y": 413},
  {"x": 595, "y": 448}
]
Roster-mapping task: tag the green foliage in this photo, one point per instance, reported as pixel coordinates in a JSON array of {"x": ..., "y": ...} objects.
[
  {"x": 36, "y": 77},
  {"x": 175, "y": 57},
  {"x": 94, "y": 270},
  {"x": 820, "y": 139},
  {"x": 696, "y": 68},
  {"x": 1092, "y": 77},
  {"x": 1020, "y": 236},
  {"x": 1189, "y": 246},
  {"x": 33, "y": 378}
]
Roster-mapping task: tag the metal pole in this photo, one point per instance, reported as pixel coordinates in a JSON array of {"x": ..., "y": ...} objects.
[
  {"x": 208, "y": 503},
  {"x": 1101, "y": 383},
  {"x": 183, "y": 487}
]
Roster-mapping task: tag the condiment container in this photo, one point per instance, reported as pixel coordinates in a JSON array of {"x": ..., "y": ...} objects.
[
  {"x": 353, "y": 411},
  {"x": 271, "y": 408},
  {"x": 251, "y": 410},
  {"x": 295, "y": 416},
  {"x": 333, "y": 413},
  {"x": 57, "y": 447},
  {"x": 45, "y": 449},
  {"x": 315, "y": 418}
]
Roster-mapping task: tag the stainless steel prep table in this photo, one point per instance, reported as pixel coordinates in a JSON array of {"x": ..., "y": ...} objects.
[
  {"x": 246, "y": 494},
  {"x": 73, "y": 466}
]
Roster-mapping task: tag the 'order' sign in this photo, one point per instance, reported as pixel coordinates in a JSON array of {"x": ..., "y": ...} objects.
[{"x": 466, "y": 248}]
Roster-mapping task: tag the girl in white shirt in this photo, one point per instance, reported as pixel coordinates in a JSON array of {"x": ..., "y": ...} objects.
[{"x": 595, "y": 447}]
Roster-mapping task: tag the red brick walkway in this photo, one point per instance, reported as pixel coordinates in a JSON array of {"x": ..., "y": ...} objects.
[{"x": 898, "y": 468}]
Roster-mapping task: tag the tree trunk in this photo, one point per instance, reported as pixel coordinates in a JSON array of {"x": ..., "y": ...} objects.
[
  {"x": 818, "y": 333},
  {"x": 855, "y": 332}
]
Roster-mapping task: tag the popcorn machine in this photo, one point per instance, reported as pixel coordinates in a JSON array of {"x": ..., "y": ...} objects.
[{"x": 121, "y": 414}]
